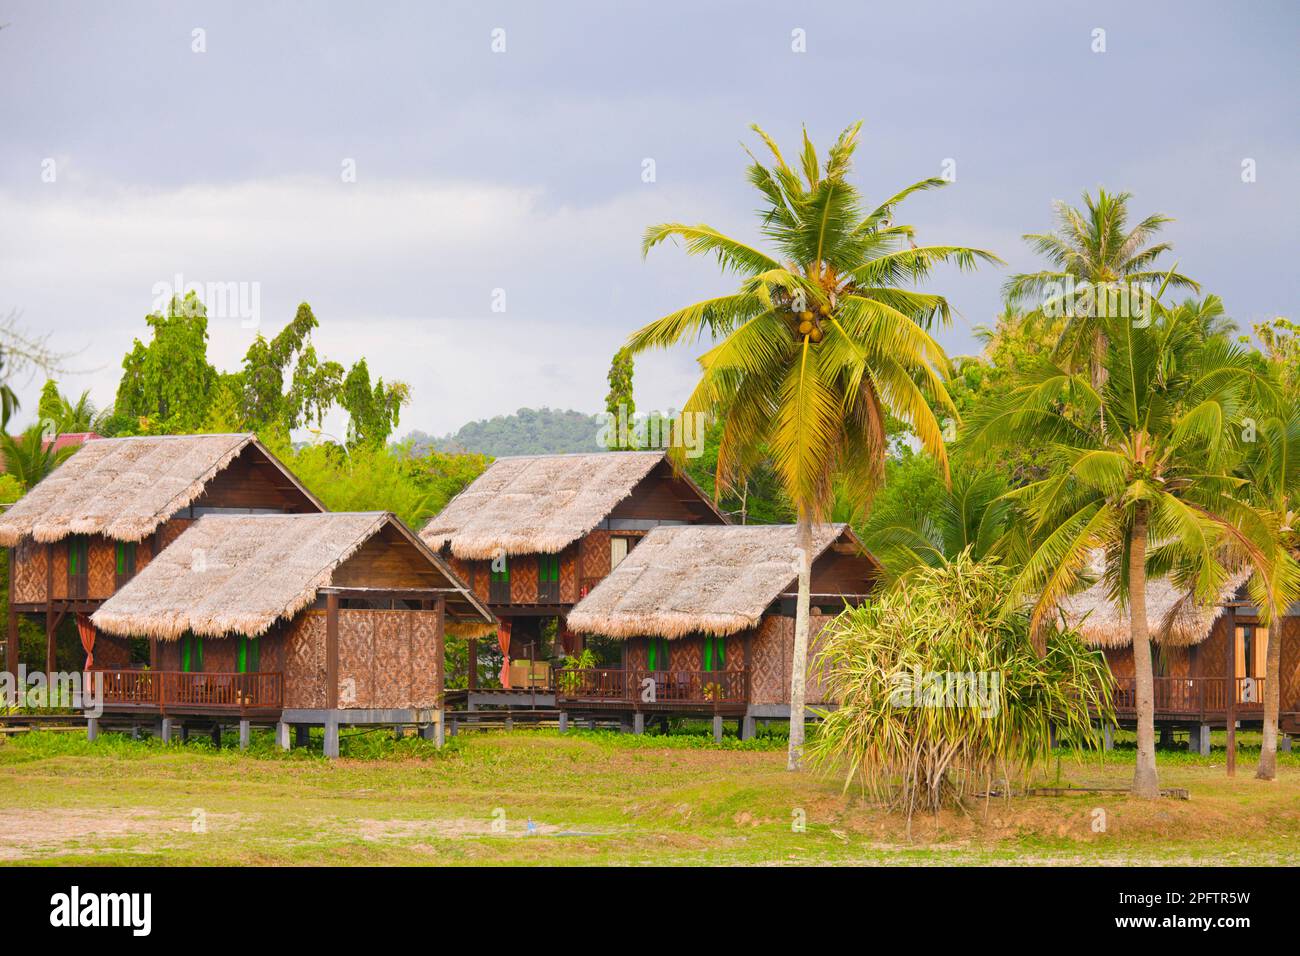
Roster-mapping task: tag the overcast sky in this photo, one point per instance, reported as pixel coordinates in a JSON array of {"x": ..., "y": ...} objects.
[{"x": 521, "y": 170}]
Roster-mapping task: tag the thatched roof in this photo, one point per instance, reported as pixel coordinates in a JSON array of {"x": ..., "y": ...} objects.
[
  {"x": 1174, "y": 618},
  {"x": 711, "y": 579},
  {"x": 125, "y": 488},
  {"x": 239, "y": 574},
  {"x": 537, "y": 504}
]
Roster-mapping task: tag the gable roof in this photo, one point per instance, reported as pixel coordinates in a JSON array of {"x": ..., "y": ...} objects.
[
  {"x": 1174, "y": 618},
  {"x": 715, "y": 579},
  {"x": 538, "y": 504},
  {"x": 239, "y": 574},
  {"x": 124, "y": 488}
]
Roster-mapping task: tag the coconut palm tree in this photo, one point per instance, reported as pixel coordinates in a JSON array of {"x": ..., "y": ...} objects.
[
  {"x": 817, "y": 346},
  {"x": 1094, "y": 257},
  {"x": 1272, "y": 468},
  {"x": 1152, "y": 487}
]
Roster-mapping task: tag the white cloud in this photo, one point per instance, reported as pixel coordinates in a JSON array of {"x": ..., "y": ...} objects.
[{"x": 403, "y": 273}]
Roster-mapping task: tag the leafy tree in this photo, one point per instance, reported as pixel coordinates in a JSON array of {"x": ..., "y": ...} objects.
[
  {"x": 314, "y": 385},
  {"x": 619, "y": 403},
  {"x": 1150, "y": 486},
  {"x": 65, "y": 415},
  {"x": 1094, "y": 250},
  {"x": 529, "y": 431},
  {"x": 374, "y": 410},
  {"x": 167, "y": 385},
  {"x": 1281, "y": 341},
  {"x": 756, "y": 498},
  {"x": 817, "y": 346}
]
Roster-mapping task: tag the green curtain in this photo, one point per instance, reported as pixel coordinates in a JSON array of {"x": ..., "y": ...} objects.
[{"x": 715, "y": 653}]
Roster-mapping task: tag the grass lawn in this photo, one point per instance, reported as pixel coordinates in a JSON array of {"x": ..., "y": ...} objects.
[{"x": 592, "y": 798}]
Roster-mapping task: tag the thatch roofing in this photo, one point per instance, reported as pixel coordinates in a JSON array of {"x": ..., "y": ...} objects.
[
  {"x": 239, "y": 574},
  {"x": 1174, "y": 617},
  {"x": 537, "y": 504},
  {"x": 124, "y": 488},
  {"x": 709, "y": 579}
]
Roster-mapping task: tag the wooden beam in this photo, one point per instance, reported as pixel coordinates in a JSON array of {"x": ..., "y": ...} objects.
[
  {"x": 49, "y": 611},
  {"x": 11, "y": 640},
  {"x": 332, "y": 651}
]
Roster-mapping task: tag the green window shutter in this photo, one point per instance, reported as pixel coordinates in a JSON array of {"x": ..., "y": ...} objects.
[
  {"x": 715, "y": 654},
  {"x": 198, "y": 653},
  {"x": 185, "y": 653},
  {"x": 242, "y": 655},
  {"x": 121, "y": 557}
]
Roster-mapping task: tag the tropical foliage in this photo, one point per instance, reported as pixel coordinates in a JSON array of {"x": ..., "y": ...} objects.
[
  {"x": 819, "y": 345},
  {"x": 943, "y": 697}
]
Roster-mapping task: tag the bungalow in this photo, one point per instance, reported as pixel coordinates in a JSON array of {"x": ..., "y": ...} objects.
[
  {"x": 533, "y": 535},
  {"x": 294, "y": 620},
  {"x": 706, "y": 617},
  {"x": 106, "y": 512},
  {"x": 1209, "y": 661}
]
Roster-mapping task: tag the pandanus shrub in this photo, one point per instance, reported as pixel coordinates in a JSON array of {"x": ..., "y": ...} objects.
[{"x": 941, "y": 694}]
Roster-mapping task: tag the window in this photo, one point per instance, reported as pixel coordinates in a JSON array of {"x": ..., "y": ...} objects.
[
  {"x": 715, "y": 653},
  {"x": 618, "y": 549},
  {"x": 548, "y": 579},
  {"x": 249, "y": 653},
  {"x": 78, "y": 577},
  {"x": 125, "y": 557},
  {"x": 657, "y": 654},
  {"x": 499, "y": 587},
  {"x": 191, "y": 653}
]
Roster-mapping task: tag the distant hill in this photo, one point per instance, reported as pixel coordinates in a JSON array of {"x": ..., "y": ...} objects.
[{"x": 529, "y": 431}]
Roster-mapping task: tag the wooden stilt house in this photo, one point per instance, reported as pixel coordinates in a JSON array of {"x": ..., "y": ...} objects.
[
  {"x": 1208, "y": 660},
  {"x": 298, "y": 620},
  {"x": 106, "y": 513},
  {"x": 533, "y": 535},
  {"x": 707, "y": 616}
]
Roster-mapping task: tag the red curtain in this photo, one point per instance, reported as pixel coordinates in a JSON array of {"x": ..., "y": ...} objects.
[
  {"x": 503, "y": 638},
  {"x": 87, "y": 632}
]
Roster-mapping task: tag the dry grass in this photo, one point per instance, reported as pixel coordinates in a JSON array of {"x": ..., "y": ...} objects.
[{"x": 592, "y": 799}]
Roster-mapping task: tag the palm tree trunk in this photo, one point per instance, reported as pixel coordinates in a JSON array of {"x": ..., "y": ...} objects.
[
  {"x": 799, "y": 662},
  {"x": 1272, "y": 695},
  {"x": 1145, "y": 783}
]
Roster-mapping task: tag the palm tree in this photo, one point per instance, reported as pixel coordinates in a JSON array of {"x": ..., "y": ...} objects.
[
  {"x": 1272, "y": 468},
  {"x": 1152, "y": 487},
  {"x": 817, "y": 346},
  {"x": 30, "y": 456},
  {"x": 1094, "y": 252},
  {"x": 972, "y": 516}
]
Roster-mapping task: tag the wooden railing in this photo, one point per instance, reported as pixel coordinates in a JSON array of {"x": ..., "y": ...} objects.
[
  {"x": 611, "y": 684},
  {"x": 193, "y": 691},
  {"x": 1192, "y": 696}
]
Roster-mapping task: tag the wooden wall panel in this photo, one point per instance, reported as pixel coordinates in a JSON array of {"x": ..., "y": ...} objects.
[
  {"x": 1289, "y": 696},
  {"x": 60, "y": 591},
  {"x": 29, "y": 576},
  {"x": 220, "y": 655},
  {"x": 426, "y": 659},
  {"x": 1212, "y": 653},
  {"x": 357, "y": 640},
  {"x": 112, "y": 651},
  {"x": 101, "y": 564},
  {"x": 304, "y": 661},
  {"x": 593, "y": 562},
  {"x": 773, "y": 649},
  {"x": 569, "y": 575},
  {"x": 523, "y": 579}
]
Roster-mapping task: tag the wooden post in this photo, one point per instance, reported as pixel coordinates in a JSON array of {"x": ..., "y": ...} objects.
[
  {"x": 331, "y": 653},
  {"x": 11, "y": 639},
  {"x": 49, "y": 611},
  {"x": 749, "y": 664},
  {"x": 1231, "y": 703},
  {"x": 440, "y": 650}
]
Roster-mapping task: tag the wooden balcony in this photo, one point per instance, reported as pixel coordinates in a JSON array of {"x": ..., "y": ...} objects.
[
  {"x": 611, "y": 688},
  {"x": 1194, "y": 699},
  {"x": 173, "y": 692}
]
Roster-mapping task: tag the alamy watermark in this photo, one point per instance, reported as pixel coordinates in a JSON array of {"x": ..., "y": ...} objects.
[
  {"x": 216, "y": 300},
  {"x": 73, "y": 690},
  {"x": 978, "y": 690},
  {"x": 654, "y": 431}
]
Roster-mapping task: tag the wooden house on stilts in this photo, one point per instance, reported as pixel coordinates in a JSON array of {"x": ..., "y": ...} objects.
[
  {"x": 326, "y": 620},
  {"x": 707, "y": 618},
  {"x": 104, "y": 514},
  {"x": 533, "y": 535}
]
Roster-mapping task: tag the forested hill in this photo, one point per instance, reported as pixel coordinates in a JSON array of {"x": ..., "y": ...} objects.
[{"x": 529, "y": 431}]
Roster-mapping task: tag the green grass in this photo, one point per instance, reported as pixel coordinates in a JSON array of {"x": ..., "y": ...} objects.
[{"x": 594, "y": 798}]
